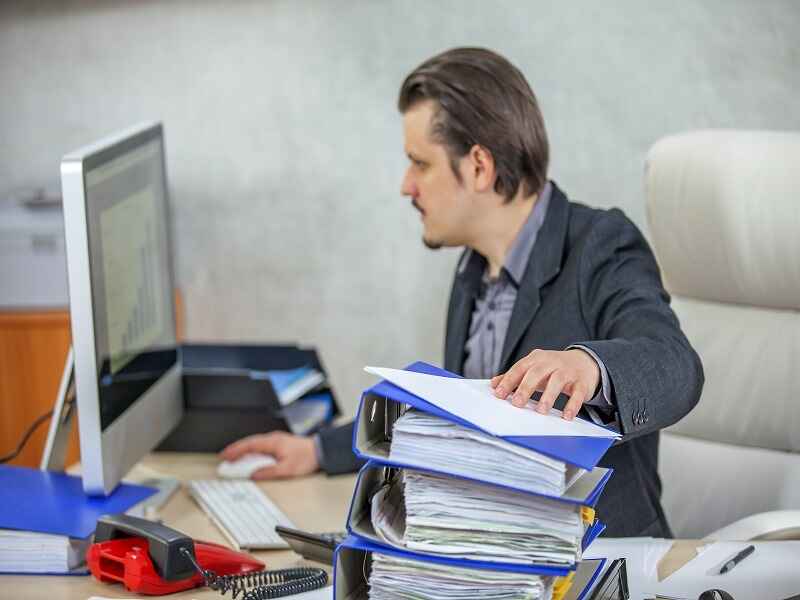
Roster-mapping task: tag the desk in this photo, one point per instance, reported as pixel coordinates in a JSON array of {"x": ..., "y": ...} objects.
[
  {"x": 316, "y": 503},
  {"x": 33, "y": 347}
]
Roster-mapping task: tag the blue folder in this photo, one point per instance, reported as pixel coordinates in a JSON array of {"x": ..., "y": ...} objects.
[
  {"x": 584, "y": 452},
  {"x": 352, "y": 555},
  {"x": 48, "y": 502},
  {"x": 358, "y": 543},
  {"x": 359, "y": 522},
  {"x": 586, "y": 491},
  {"x": 282, "y": 380}
]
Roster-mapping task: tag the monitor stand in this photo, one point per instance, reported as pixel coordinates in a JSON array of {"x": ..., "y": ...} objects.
[{"x": 54, "y": 457}]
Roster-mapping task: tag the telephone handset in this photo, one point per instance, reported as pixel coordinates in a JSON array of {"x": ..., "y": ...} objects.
[{"x": 150, "y": 558}]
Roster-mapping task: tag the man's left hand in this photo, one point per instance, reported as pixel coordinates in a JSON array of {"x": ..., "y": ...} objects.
[{"x": 573, "y": 372}]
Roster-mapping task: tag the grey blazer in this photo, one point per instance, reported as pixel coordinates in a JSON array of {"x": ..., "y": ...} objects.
[{"x": 591, "y": 280}]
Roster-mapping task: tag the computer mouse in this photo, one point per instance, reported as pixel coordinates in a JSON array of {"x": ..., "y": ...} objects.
[{"x": 244, "y": 466}]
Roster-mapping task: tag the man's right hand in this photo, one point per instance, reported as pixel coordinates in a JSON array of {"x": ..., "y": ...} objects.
[{"x": 295, "y": 455}]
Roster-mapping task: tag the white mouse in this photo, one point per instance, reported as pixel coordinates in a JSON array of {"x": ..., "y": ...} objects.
[{"x": 244, "y": 466}]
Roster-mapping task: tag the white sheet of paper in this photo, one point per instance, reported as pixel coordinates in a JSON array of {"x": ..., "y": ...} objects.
[{"x": 474, "y": 401}]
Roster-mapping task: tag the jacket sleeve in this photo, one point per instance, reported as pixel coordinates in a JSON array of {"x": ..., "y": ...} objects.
[
  {"x": 336, "y": 450},
  {"x": 656, "y": 375}
]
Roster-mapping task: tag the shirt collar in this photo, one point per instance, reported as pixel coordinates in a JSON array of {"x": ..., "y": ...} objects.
[{"x": 520, "y": 251}]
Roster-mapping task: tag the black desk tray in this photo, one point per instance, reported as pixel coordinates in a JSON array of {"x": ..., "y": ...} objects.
[{"x": 224, "y": 401}]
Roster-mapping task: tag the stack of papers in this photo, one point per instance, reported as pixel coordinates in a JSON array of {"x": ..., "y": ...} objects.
[
  {"x": 420, "y": 439},
  {"x": 394, "y": 578},
  {"x": 28, "y": 552},
  {"x": 454, "y": 517}
]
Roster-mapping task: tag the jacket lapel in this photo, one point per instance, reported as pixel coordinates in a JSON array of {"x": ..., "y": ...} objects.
[
  {"x": 544, "y": 263},
  {"x": 465, "y": 290}
]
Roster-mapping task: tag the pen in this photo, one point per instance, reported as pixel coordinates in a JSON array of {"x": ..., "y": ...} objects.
[{"x": 737, "y": 558}]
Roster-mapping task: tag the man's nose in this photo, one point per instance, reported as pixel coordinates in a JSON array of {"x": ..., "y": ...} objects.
[{"x": 408, "y": 187}]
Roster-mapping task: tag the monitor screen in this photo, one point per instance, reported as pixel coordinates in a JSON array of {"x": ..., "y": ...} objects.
[{"x": 134, "y": 327}]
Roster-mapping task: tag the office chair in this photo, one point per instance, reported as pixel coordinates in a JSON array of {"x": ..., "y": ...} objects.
[{"x": 723, "y": 210}]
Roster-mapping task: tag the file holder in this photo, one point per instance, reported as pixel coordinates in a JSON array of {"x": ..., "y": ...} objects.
[
  {"x": 226, "y": 396},
  {"x": 380, "y": 407},
  {"x": 359, "y": 522},
  {"x": 579, "y": 450},
  {"x": 372, "y": 436},
  {"x": 352, "y": 565}
]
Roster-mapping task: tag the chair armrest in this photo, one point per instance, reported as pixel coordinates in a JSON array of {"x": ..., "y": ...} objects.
[{"x": 774, "y": 525}]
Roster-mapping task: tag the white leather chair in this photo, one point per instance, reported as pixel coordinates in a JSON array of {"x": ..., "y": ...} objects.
[{"x": 723, "y": 210}]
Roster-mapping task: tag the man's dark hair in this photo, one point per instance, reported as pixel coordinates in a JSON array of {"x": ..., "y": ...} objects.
[{"x": 483, "y": 99}]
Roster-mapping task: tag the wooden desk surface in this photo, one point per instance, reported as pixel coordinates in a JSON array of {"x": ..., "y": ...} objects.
[{"x": 316, "y": 503}]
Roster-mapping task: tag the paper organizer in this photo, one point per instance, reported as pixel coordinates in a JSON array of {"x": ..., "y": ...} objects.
[{"x": 430, "y": 390}]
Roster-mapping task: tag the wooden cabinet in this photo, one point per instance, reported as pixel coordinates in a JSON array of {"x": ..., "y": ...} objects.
[{"x": 33, "y": 347}]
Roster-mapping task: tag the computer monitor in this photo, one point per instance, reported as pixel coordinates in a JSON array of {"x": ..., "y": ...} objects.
[{"x": 122, "y": 307}]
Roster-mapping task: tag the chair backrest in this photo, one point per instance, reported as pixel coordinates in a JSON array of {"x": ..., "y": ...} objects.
[{"x": 723, "y": 210}]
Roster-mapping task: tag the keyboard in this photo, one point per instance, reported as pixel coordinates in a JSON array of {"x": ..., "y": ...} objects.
[{"x": 246, "y": 516}]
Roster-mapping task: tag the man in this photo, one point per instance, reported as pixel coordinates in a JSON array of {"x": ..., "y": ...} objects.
[{"x": 556, "y": 297}]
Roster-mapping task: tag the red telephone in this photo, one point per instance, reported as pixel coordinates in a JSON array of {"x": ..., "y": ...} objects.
[{"x": 150, "y": 558}]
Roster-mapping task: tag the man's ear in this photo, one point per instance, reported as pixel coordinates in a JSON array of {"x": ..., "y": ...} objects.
[{"x": 480, "y": 163}]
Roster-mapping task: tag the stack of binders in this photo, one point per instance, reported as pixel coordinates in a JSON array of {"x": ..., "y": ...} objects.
[{"x": 466, "y": 496}]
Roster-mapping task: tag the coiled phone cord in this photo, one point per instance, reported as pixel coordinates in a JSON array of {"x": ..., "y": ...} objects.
[{"x": 263, "y": 584}]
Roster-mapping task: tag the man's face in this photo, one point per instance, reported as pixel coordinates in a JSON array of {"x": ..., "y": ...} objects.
[{"x": 445, "y": 206}]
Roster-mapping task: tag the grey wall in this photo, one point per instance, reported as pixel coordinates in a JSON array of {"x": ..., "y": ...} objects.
[{"x": 285, "y": 149}]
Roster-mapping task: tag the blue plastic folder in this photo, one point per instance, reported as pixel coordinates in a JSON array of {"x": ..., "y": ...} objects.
[
  {"x": 282, "y": 379},
  {"x": 353, "y": 555},
  {"x": 586, "y": 493},
  {"x": 359, "y": 523},
  {"x": 48, "y": 502},
  {"x": 360, "y": 543},
  {"x": 584, "y": 452}
]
